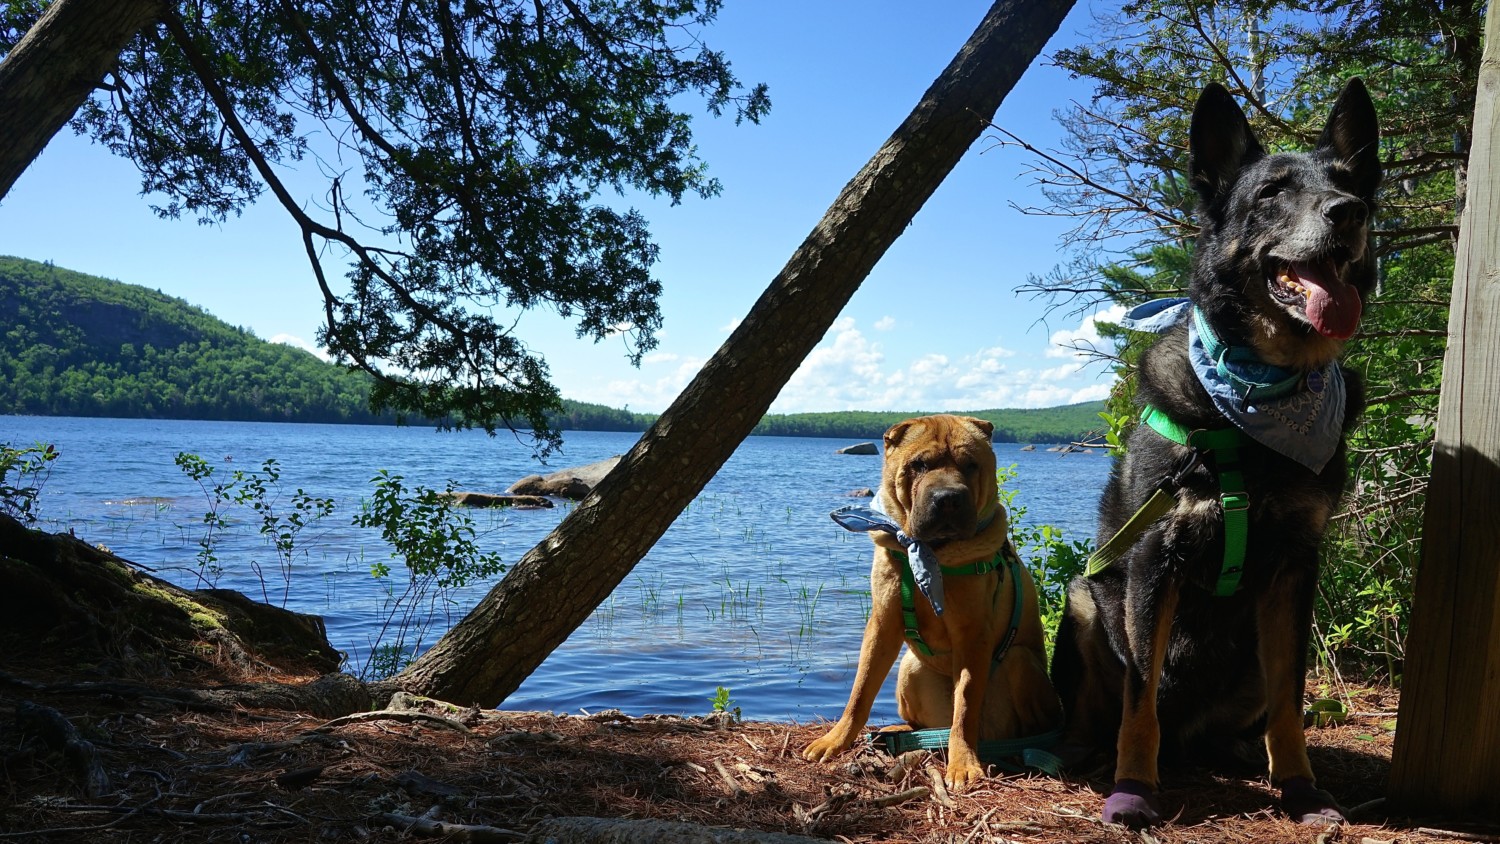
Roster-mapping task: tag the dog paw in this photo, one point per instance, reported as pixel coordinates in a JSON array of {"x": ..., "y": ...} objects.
[
  {"x": 961, "y": 774},
  {"x": 824, "y": 749},
  {"x": 1306, "y": 803},
  {"x": 1132, "y": 804}
]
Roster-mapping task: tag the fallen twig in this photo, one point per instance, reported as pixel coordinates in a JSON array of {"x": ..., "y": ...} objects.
[
  {"x": 846, "y": 800},
  {"x": 398, "y": 715},
  {"x": 907, "y": 762},
  {"x": 735, "y": 790},
  {"x": 940, "y": 789},
  {"x": 1460, "y": 836},
  {"x": 241, "y": 754},
  {"x": 893, "y": 799},
  {"x": 471, "y": 833}
]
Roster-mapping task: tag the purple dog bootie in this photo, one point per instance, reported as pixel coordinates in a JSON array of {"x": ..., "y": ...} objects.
[
  {"x": 1306, "y": 803},
  {"x": 1132, "y": 804}
]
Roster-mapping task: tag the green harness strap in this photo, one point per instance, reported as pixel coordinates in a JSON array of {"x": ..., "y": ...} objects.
[
  {"x": 1005, "y": 556},
  {"x": 1225, "y": 444}
]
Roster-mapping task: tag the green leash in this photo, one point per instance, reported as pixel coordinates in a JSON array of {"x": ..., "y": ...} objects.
[
  {"x": 1225, "y": 444},
  {"x": 1035, "y": 751}
]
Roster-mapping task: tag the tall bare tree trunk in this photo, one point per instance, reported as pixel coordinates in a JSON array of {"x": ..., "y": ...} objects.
[
  {"x": 558, "y": 583},
  {"x": 1447, "y": 754},
  {"x": 55, "y": 67}
]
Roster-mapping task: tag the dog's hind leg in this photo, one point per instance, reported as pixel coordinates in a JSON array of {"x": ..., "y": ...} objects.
[
  {"x": 1150, "y": 602},
  {"x": 1088, "y": 679},
  {"x": 1284, "y": 619}
]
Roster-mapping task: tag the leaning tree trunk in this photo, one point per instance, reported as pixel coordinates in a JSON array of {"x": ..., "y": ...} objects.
[
  {"x": 56, "y": 65},
  {"x": 1447, "y": 754},
  {"x": 558, "y": 583}
]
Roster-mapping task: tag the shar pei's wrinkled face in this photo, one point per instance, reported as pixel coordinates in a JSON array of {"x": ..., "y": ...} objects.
[{"x": 938, "y": 479}]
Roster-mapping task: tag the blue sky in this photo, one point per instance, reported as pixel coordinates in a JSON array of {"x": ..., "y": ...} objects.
[{"x": 936, "y": 326}]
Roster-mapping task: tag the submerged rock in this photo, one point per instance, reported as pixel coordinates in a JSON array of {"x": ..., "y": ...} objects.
[
  {"x": 491, "y": 499},
  {"x": 858, "y": 448}
]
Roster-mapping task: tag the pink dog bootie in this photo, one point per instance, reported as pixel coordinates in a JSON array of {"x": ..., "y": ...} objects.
[{"x": 1132, "y": 804}]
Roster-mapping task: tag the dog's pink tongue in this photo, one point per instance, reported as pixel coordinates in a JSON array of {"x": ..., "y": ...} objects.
[{"x": 1333, "y": 307}]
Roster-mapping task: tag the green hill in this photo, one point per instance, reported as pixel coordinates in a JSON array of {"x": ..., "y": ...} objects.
[
  {"x": 1068, "y": 423},
  {"x": 77, "y": 345}
]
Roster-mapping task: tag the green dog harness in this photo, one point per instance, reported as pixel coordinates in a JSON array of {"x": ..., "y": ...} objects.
[
  {"x": 1006, "y": 556},
  {"x": 1224, "y": 444}
]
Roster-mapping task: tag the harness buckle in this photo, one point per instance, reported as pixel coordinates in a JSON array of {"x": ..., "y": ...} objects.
[
  {"x": 1192, "y": 461},
  {"x": 1235, "y": 501}
]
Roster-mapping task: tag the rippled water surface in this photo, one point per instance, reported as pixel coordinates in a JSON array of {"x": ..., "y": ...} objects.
[{"x": 753, "y": 588}]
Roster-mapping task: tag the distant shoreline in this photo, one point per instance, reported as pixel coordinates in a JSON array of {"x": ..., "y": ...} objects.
[{"x": 580, "y": 416}]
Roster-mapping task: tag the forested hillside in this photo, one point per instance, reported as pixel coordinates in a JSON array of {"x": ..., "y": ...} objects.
[
  {"x": 1069, "y": 423},
  {"x": 77, "y": 345}
]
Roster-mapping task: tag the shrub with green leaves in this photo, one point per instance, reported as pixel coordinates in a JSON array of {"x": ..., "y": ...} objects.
[
  {"x": 1052, "y": 559},
  {"x": 23, "y": 473},
  {"x": 260, "y": 490},
  {"x": 437, "y": 545}
]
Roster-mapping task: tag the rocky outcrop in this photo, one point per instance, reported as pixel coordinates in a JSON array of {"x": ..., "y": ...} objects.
[
  {"x": 575, "y": 483},
  {"x": 859, "y": 448}
]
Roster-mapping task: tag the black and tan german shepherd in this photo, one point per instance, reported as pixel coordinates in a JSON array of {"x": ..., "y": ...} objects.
[{"x": 1149, "y": 657}]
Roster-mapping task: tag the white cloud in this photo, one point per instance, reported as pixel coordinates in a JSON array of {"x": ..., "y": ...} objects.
[
  {"x": 653, "y": 394},
  {"x": 294, "y": 340},
  {"x": 1078, "y": 342},
  {"x": 729, "y": 327},
  {"x": 850, "y": 371},
  {"x": 885, "y": 323}
]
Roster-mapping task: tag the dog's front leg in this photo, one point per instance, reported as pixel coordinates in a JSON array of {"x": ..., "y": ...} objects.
[
  {"x": 1284, "y": 617},
  {"x": 1150, "y": 603},
  {"x": 877, "y": 652},
  {"x": 971, "y": 659}
]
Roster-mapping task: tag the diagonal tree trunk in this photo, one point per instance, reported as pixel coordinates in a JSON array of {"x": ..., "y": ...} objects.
[
  {"x": 558, "y": 583},
  {"x": 55, "y": 67}
]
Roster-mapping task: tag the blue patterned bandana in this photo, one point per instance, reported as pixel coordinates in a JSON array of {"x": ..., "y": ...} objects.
[
  {"x": 1305, "y": 425},
  {"x": 922, "y": 558}
]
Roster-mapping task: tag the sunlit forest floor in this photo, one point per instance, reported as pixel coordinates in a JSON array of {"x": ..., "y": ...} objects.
[{"x": 268, "y": 776}]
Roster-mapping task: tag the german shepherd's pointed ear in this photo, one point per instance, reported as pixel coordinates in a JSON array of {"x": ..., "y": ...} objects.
[
  {"x": 1220, "y": 143},
  {"x": 1352, "y": 134}
]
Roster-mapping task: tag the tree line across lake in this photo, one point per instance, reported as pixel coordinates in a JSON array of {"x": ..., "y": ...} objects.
[{"x": 78, "y": 345}]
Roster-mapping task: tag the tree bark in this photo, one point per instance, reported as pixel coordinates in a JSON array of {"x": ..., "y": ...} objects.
[
  {"x": 555, "y": 586},
  {"x": 1447, "y": 755},
  {"x": 55, "y": 67}
]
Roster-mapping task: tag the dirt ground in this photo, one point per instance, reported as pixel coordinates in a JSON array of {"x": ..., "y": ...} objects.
[{"x": 237, "y": 775}]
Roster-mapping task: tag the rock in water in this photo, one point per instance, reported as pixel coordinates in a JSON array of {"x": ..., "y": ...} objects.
[{"x": 575, "y": 483}]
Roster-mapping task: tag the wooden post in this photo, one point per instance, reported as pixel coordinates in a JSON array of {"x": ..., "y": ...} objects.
[{"x": 1447, "y": 755}]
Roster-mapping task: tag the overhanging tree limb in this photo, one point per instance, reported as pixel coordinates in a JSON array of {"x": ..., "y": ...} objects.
[
  {"x": 558, "y": 583},
  {"x": 55, "y": 67}
]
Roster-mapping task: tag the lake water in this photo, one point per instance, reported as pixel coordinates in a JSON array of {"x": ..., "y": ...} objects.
[{"x": 753, "y": 588}]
